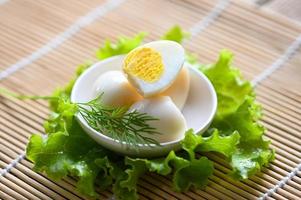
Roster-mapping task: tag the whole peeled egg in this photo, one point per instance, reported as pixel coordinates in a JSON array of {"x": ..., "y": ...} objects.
[
  {"x": 153, "y": 67},
  {"x": 115, "y": 89},
  {"x": 171, "y": 123}
]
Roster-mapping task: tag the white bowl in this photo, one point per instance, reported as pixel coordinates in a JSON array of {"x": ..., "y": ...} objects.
[{"x": 199, "y": 109}]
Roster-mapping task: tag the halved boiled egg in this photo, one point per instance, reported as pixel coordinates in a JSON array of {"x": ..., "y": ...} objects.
[
  {"x": 153, "y": 67},
  {"x": 116, "y": 89},
  {"x": 171, "y": 123},
  {"x": 179, "y": 90}
]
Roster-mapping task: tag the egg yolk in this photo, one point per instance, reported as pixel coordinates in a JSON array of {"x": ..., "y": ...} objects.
[{"x": 144, "y": 63}]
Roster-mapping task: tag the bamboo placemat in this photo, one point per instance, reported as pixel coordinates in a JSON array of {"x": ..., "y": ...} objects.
[{"x": 43, "y": 41}]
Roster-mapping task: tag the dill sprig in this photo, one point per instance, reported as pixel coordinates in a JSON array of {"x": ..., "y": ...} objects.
[{"x": 130, "y": 128}]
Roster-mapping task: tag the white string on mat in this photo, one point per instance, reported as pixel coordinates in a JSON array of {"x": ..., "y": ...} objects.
[
  {"x": 290, "y": 51},
  {"x": 211, "y": 17},
  {"x": 281, "y": 183},
  {"x": 62, "y": 37},
  {"x": 12, "y": 164}
]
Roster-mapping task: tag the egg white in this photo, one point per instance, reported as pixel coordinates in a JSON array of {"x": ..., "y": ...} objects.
[
  {"x": 173, "y": 57},
  {"x": 179, "y": 89},
  {"x": 171, "y": 123},
  {"x": 115, "y": 89}
]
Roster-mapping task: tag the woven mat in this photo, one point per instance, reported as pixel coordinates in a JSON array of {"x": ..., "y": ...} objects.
[{"x": 43, "y": 41}]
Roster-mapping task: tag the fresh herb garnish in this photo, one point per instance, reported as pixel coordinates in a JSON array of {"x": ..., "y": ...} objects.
[{"x": 131, "y": 128}]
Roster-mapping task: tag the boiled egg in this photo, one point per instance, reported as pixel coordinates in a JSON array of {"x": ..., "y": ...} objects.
[
  {"x": 153, "y": 67},
  {"x": 179, "y": 90},
  {"x": 171, "y": 123},
  {"x": 115, "y": 89}
]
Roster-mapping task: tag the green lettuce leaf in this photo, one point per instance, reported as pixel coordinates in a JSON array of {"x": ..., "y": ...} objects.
[
  {"x": 176, "y": 34},
  {"x": 238, "y": 113},
  {"x": 104, "y": 178},
  {"x": 231, "y": 89},
  {"x": 164, "y": 166},
  {"x": 187, "y": 172},
  {"x": 59, "y": 154},
  {"x": 125, "y": 180},
  {"x": 197, "y": 172},
  {"x": 244, "y": 120},
  {"x": 62, "y": 119},
  {"x": 249, "y": 159},
  {"x": 225, "y": 145},
  {"x": 195, "y": 175},
  {"x": 122, "y": 46},
  {"x": 253, "y": 151}
]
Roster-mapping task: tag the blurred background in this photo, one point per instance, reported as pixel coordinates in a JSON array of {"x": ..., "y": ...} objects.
[{"x": 288, "y": 8}]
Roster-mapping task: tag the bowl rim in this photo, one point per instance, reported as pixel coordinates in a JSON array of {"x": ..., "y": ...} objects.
[{"x": 163, "y": 144}]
